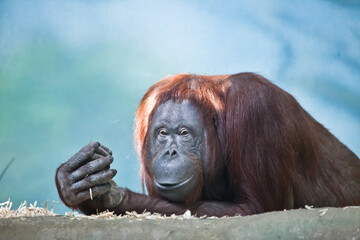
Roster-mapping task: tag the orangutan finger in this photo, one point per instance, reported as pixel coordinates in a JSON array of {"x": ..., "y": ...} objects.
[
  {"x": 106, "y": 149},
  {"x": 102, "y": 151},
  {"x": 88, "y": 194},
  {"x": 90, "y": 168},
  {"x": 93, "y": 180},
  {"x": 82, "y": 156}
]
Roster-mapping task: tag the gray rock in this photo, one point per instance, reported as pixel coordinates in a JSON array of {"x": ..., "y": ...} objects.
[{"x": 336, "y": 223}]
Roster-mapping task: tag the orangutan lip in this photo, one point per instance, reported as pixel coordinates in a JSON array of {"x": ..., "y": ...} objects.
[{"x": 171, "y": 186}]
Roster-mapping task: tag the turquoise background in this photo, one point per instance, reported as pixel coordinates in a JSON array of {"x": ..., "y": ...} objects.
[{"x": 72, "y": 72}]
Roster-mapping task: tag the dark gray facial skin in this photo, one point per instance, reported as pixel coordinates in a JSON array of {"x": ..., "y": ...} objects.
[{"x": 176, "y": 136}]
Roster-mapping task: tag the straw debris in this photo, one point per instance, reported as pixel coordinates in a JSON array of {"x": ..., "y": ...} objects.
[
  {"x": 24, "y": 210},
  {"x": 33, "y": 210},
  {"x": 136, "y": 216}
]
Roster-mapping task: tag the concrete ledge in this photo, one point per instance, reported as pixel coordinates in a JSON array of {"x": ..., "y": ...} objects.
[{"x": 335, "y": 223}]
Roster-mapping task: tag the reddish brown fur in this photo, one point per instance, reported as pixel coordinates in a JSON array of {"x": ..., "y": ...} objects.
[
  {"x": 263, "y": 152},
  {"x": 199, "y": 89},
  {"x": 275, "y": 155}
]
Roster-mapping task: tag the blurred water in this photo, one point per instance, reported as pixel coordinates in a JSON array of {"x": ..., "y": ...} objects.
[{"x": 74, "y": 71}]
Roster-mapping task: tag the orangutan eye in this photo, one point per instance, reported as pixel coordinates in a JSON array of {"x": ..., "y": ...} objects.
[
  {"x": 184, "y": 132},
  {"x": 162, "y": 132}
]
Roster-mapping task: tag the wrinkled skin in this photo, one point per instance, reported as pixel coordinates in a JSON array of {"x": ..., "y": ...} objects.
[
  {"x": 89, "y": 169},
  {"x": 175, "y": 149}
]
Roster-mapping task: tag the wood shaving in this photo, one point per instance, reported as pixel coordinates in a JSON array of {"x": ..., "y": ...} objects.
[
  {"x": 91, "y": 196},
  {"x": 24, "y": 210},
  {"x": 309, "y": 207},
  {"x": 137, "y": 216},
  {"x": 350, "y": 207},
  {"x": 323, "y": 212},
  {"x": 33, "y": 210}
]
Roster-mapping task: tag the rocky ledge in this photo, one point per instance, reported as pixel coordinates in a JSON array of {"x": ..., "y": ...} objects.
[{"x": 325, "y": 223}]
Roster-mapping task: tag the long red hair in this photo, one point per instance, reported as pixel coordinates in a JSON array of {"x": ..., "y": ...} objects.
[
  {"x": 206, "y": 92},
  {"x": 246, "y": 115}
]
